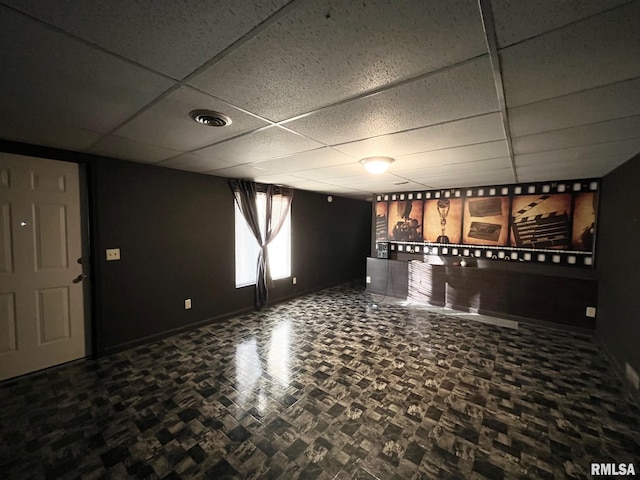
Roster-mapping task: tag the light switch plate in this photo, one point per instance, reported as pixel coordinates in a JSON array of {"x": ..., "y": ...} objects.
[
  {"x": 187, "y": 304},
  {"x": 368, "y": 279},
  {"x": 113, "y": 254},
  {"x": 591, "y": 312}
]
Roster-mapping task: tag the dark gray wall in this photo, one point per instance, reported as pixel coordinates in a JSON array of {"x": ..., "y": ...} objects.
[
  {"x": 618, "y": 264},
  {"x": 176, "y": 234}
]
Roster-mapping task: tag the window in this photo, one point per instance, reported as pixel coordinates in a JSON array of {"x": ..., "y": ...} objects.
[{"x": 247, "y": 248}]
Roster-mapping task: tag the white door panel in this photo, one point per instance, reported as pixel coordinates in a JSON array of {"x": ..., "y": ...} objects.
[{"x": 41, "y": 308}]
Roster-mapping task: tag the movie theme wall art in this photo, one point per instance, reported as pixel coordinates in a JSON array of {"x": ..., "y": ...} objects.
[
  {"x": 405, "y": 220},
  {"x": 382, "y": 210},
  {"x": 584, "y": 221},
  {"x": 548, "y": 222},
  {"x": 442, "y": 221},
  {"x": 486, "y": 221},
  {"x": 541, "y": 221}
]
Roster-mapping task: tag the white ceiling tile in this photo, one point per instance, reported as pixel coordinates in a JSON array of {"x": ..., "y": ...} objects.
[
  {"x": 622, "y": 149},
  {"x": 320, "y": 187},
  {"x": 592, "y": 167},
  {"x": 194, "y": 163},
  {"x": 167, "y": 123},
  {"x": 340, "y": 190},
  {"x": 595, "y": 52},
  {"x": 363, "y": 177},
  {"x": 126, "y": 149},
  {"x": 463, "y": 91},
  {"x": 259, "y": 145},
  {"x": 397, "y": 186},
  {"x": 517, "y": 21},
  {"x": 20, "y": 128},
  {"x": 280, "y": 179},
  {"x": 174, "y": 38},
  {"x": 602, "y": 132},
  {"x": 491, "y": 177},
  {"x": 323, "y": 52},
  {"x": 237, "y": 171},
  {"x": 597, "y": 105},
  {"x": 457, "y": 168},
  {"x": 482, "y": 128},
  {"x": 349, "y": 170},
  {"x": 405, "y": 187},
  {"x": 442, "y": 127},
  {"x": 312, "y": 186},
  {"x": 298, "y": 162},
  {"x": 53, "y": 78},
  {"x": 449, "y": 156}
]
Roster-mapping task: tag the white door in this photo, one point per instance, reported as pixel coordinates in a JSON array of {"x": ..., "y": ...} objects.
[{"x": 41, "y": 304}]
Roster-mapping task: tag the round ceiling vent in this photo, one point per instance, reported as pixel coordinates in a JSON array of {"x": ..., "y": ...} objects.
[{"x": 210, "y": 118}]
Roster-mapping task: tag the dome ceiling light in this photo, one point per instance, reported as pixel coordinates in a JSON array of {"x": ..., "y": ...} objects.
[{"x": 376, "y": 165}]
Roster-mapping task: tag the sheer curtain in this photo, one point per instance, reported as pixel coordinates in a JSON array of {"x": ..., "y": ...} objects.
[{"x": 245, "y": 194}]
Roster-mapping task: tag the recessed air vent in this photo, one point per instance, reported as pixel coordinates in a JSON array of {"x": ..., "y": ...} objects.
[{"x": 210, "y": 118}]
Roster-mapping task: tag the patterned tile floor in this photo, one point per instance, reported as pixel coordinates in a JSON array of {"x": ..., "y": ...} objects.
[{"x": 329, "y": 386}]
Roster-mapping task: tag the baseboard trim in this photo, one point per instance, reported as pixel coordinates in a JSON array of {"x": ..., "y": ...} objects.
[
  {"x": 618, "y": 369},
  {"x": 175, "y": 331},
  {"x": 43, "y": 371},
  {"x": 217, "y": 319}
]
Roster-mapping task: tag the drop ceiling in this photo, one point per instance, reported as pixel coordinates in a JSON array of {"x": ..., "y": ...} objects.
[{"x": 459, "y": 92}]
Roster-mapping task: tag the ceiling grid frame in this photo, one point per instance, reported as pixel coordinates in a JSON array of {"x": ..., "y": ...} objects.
[{"x": 588, "y": 131}]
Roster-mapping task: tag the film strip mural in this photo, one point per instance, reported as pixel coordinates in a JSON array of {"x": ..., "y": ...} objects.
[{"x": 544, "y": 222}]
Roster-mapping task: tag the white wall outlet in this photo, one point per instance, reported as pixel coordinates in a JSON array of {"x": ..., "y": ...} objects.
[
  {"x": 113, "y": 254},
  {"x": 294, "y": 280},
  {"x": 187, "y": 304},
  {"x": 368, "y": 279},
  {"x": 632, "y": 376},
  {"x": 591, "y": 312}
]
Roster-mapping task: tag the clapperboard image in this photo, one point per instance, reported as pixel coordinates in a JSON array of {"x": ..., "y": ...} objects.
[{"x": 545, "y": 230}]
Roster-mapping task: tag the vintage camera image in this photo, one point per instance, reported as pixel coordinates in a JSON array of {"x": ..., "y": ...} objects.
[{"x": 405, "y": 217}]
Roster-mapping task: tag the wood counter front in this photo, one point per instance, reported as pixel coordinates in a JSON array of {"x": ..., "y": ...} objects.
[{"x": 505, "y": 293}]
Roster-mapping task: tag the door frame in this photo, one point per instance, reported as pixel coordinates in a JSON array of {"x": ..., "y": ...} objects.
[
  {"x": 84, "y": 175},
  {"x": 88, "y": 229}
]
